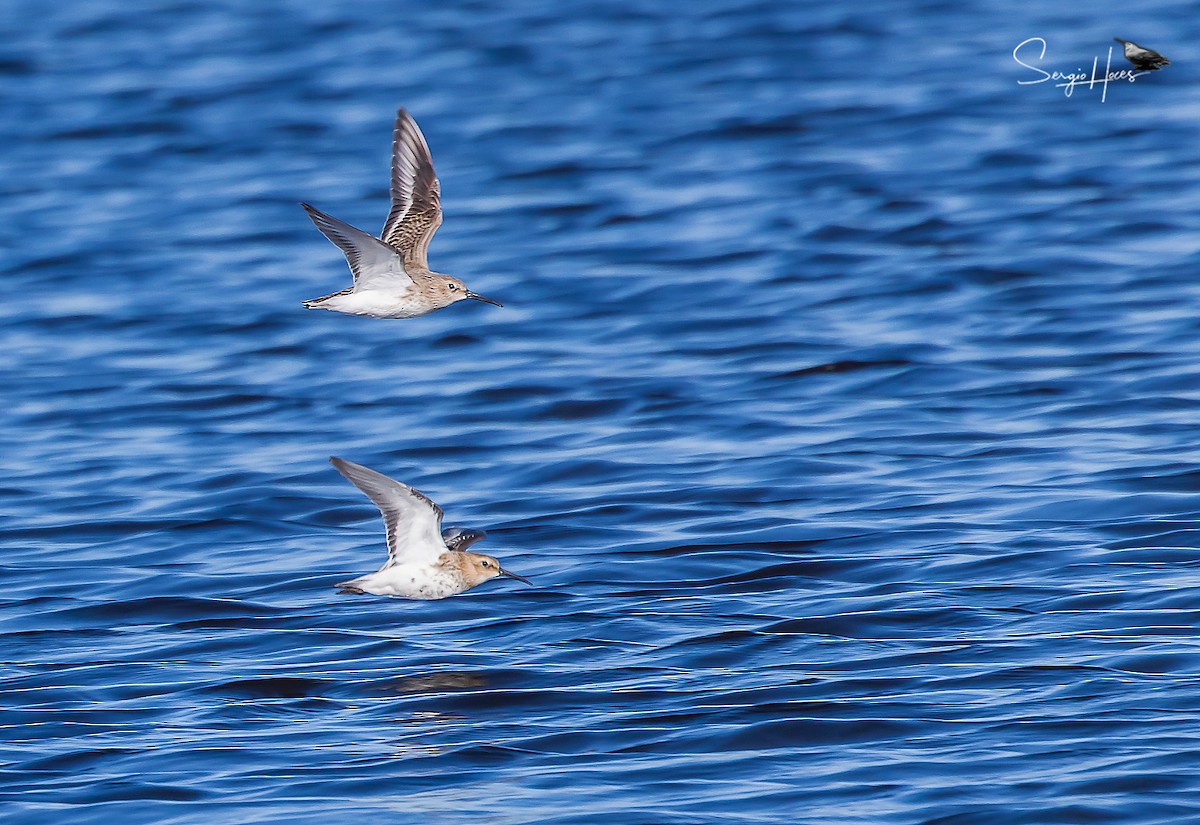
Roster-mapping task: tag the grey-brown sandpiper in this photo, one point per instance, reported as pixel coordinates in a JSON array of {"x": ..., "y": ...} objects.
[{"x": 391, "y": 273}]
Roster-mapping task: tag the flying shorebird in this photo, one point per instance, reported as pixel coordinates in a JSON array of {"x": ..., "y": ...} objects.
[
  {"x": 392, "y": 278},
  {"x": 1143, "y": 59},
  {"x": 424, "y": 561}
]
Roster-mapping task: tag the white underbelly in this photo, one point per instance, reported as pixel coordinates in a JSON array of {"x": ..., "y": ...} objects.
[
  {"x": 411, "y": 583},
  {"x": 381, "y": 303}
]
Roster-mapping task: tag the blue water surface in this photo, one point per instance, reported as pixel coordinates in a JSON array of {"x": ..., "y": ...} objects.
[{"x": 844, "y": 411}]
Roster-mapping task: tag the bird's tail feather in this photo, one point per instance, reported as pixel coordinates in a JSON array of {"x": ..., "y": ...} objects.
[{"x": 315, "y": 303}]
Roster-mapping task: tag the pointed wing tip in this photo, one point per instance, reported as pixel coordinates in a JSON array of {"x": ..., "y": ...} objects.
[
  {"x": 342, "y": 466},
  {"x": 407, "y": 124}
]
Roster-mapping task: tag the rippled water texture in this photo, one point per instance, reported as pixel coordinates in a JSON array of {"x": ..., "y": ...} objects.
[{"x": 844, "y": 410}]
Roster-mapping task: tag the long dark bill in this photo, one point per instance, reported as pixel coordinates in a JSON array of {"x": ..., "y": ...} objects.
[
  {"x": 485, "y": 300},
  {"x": 504, "y": 572}
]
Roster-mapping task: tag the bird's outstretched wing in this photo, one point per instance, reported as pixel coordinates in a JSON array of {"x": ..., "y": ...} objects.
[
  {"x": 371, "y": 260},
  {"x": 413, "y": 521},
  {"x": 460, "y": 538},
  {"x": 416, "y": 197}
]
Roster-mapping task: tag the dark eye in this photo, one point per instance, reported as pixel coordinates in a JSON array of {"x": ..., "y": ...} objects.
[
  {"x": 486, "y": 563},
  {"x": 452, "y": 287}
]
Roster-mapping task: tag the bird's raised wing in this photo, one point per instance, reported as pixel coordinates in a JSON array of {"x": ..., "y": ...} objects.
[
  {"x": 416, "y": 197},
  {"x": 371, "y": 260},
  {"x": 460, "y": 538},
  {"x": 413, "y": 521}
]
